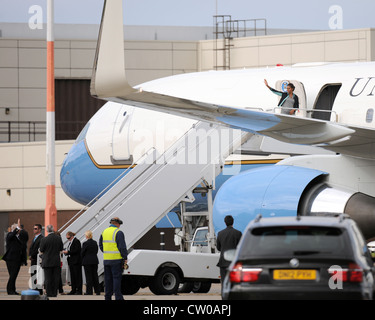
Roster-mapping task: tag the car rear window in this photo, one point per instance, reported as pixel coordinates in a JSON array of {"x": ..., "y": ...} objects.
[{"x": 292, "y": 240}]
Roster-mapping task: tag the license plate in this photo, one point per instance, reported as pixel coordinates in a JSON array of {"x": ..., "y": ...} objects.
[{"x": 294, "y": 274}]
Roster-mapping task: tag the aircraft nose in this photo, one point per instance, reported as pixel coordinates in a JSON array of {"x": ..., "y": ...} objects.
[
  {"x": 75, "y": 173},
  {"x": 80, "y": 178},
  {"x": 66, "y": 178}
]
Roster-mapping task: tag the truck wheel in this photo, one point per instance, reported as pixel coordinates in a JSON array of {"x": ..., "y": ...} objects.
[
  {"x": 129, "y": 285},
  {"x": 202, "y": 287},
  {"x": 186, "y": 287},
  {"x": 166, "y": 281}
]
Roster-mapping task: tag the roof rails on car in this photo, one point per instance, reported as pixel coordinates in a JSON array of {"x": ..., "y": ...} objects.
[
  {"x": 343, "y": 216},
  {"x": 328, "y": 214}
]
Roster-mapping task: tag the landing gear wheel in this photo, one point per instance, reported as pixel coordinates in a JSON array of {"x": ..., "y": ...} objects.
[{"x": 165, "y": 282}]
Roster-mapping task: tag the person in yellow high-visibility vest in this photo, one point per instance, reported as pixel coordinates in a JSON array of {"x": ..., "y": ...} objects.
[{"x": 115, "y": 255}]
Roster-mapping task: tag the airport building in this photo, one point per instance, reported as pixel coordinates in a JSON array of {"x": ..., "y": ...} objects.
[{"x": 150, "y": 53}]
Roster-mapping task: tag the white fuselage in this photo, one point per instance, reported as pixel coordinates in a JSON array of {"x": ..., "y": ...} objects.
[{"x": 118, "y": 131}]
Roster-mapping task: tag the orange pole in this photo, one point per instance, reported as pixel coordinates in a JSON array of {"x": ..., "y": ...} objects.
[{"x": 50, "y": 213}]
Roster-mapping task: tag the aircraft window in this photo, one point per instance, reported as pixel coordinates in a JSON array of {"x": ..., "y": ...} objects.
[
  {"x": 124, "y": 114},
  {"x": 369, "y": 115}
]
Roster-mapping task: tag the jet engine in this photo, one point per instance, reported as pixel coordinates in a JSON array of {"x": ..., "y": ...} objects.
[{"x": 283, "y": 190}]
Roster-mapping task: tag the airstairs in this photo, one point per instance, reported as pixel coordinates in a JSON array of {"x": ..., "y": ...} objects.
[{"x": 144, "y": 194}]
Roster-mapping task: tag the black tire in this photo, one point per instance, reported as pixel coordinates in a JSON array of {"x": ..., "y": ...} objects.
[
  {"x": 165, "y": 282},
  {"x": 201, "y": 287},
  {"x": 129, "y": 285},
  {"x": 186, "y": 287}
]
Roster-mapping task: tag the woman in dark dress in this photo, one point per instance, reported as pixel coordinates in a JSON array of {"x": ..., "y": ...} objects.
[{"x": 90, "y": 263}]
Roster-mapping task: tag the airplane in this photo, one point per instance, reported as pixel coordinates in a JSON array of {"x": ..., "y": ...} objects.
[{"x": 335, "y": 114}]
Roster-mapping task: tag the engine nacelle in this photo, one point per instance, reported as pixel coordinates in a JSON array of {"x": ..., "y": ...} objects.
[
  {"x": 323, "y": 198},
  {"x": 288, "y": 191},
  {"x": 270, "y": 191}
]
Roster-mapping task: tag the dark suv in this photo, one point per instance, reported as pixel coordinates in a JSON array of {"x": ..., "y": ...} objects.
[{"x": 304, "y": 257}]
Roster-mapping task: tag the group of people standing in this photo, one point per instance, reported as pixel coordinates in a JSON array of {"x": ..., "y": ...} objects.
[
  {"x": 111, "y": 243},
  {"x": 50, "y": 249}
]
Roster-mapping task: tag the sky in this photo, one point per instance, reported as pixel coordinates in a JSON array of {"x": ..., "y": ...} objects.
[{"x": 290, "y": 14}]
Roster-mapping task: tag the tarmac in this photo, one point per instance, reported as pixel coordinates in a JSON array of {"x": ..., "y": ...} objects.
[
  {"x": 22, "y": 283},
  {"x": 142, "y": 294}
]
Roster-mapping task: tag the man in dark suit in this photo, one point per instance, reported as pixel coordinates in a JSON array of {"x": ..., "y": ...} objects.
[
  {"x": 226, "y": 239},
  {"x": 33, "y": 255},
  {"x": 50, "y": 247},
  {"x": 24, "y": 238},
  {"x": 13, "y": 256},
  {"x": 73, "y": 252}
]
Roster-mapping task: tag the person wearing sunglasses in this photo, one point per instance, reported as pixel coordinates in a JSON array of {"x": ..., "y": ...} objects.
[{"x": 33, "y": 255}]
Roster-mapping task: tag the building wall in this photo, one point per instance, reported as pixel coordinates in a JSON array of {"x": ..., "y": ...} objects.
[
  {"x": 23, "y": 177},
  {"x": 23, "y": 185},
  {"x": 149, "y": 60},
  {"x": 289, "y": 49},
  {"x": 23, "y": 69},
  {"x": 23, "y": 62}
]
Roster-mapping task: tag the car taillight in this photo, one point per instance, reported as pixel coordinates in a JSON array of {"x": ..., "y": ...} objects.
[
  {"x": 240, "y": 274},
  {"x": 353, "y": 273}
]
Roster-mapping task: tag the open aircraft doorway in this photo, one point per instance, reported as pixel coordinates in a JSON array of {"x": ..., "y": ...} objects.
[
  {"x": 325, "y": 101},
  {"x": 299, "y": 91}
]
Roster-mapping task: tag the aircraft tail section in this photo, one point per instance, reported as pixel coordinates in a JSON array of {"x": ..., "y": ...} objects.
[{"x": 109, "y": 79}]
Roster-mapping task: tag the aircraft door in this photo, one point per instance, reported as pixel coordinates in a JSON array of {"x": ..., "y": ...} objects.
[
  {"x": 324, "y": 102},
  {"x": 299, "y": 91},
  {"x": 120, "y": 137}
]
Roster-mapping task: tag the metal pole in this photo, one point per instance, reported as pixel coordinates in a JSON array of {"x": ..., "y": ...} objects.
[
  {"x": 50, "y": 214},
  {"x": 211, "y": 230}
]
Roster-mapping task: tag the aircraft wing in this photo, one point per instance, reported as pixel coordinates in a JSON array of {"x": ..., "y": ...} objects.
[{"x": 109, "y": 83}]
